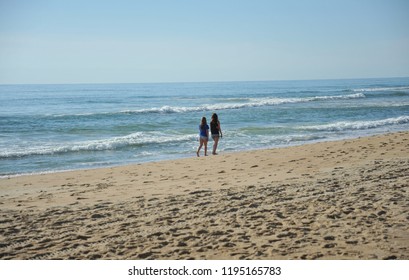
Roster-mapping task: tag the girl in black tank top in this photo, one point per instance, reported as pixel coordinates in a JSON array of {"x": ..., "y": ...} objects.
[
  {"x": 214, "y": 128},
  {"x": 216, "y": 131}
]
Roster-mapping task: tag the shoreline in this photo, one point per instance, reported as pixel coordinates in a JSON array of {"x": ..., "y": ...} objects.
[
  {"x": 186, "y": 156},
  {"x": 344, "y": 199}
]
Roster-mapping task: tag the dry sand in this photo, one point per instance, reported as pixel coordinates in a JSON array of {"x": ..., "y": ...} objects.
[{"x": 335, "y": 200}]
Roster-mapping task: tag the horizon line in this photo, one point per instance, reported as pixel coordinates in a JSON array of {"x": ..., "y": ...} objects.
[{"x": 198, "y": 82}]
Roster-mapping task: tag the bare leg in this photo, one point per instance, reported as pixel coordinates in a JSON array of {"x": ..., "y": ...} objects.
[
  {"x": 205, "y": 147},
  {"x": 200, "y": 146},
  {"x": 216, "y": 141}
]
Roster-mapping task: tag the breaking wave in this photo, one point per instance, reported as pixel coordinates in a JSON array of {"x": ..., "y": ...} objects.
[
  {"x": 114, "y": 143},
  {"x": 251, "y": 102},
  {"x": 358, "y": 125},
  {"x": 376, "y": 89}
]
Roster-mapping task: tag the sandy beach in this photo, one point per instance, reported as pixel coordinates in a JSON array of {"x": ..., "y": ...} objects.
[{"x": 346, "y": 199}]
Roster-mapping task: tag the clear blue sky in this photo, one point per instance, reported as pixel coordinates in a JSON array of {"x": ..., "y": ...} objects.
[{"x": 75, "y": 41}]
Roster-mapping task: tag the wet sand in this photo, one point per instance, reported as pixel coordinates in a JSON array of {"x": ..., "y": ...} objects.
[{"x": 346, "y": 199}]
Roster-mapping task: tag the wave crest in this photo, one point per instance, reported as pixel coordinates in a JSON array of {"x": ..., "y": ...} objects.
[
  {"x": 113, "y": 143},
  {"x": 252, "y": 102},
  {"x": 247, "y": 103},
  {"x": 375, "y": 89}
]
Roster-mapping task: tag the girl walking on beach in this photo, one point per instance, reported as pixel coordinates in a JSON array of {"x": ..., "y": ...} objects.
[
  {"x": 216, "y": 131},
  {"x": 203, "y": 136}
]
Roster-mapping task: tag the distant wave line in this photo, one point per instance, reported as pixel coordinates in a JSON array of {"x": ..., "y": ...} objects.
[
  {"x": 251, "y": 102},
  {"x": 374, "y": 89}
]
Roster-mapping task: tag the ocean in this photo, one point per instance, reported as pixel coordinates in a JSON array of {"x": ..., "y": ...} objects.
[{"x": 49, "y": 128}]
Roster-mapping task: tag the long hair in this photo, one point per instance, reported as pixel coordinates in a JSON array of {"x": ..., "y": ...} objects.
[
  {"x": 203, "y": 122},
  {"x": 215, "y": 119}
]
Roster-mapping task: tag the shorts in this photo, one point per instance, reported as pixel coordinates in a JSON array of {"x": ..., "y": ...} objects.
[
  {"x": 215, "y": 136},
  {"x": 204, "y": 138}
]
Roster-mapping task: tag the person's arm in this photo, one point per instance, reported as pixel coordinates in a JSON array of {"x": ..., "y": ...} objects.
[{"x": 220, "y": 129}]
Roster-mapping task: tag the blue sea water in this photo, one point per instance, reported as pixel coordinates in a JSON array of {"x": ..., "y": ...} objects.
[{"x": 48, "y": 128}]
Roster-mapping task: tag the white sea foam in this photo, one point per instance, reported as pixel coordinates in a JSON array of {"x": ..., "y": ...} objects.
[
  {"x": 252, "y": 102},
  {"x": 113, "y": 143},
  {"x": 374, "y": 89},
  {"x": 357, "y": 125},
  {"x": 240, "y": 104}
]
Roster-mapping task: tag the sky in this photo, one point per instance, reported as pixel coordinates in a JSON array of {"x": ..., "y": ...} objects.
[{"x": 144, "y": 41}]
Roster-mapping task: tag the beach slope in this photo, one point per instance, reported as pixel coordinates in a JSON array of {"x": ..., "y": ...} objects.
[{"x": 345, "y": 199}]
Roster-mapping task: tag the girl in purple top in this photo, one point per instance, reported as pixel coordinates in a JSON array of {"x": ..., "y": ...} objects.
[{"x": 203, "y": 136}]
